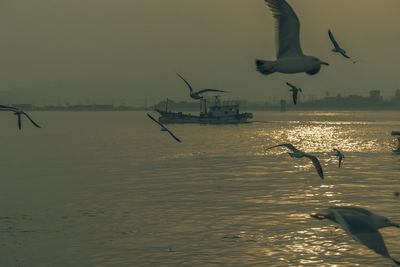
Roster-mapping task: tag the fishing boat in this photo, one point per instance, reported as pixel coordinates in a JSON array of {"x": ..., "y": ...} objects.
[{"x": 216, "y": 113}]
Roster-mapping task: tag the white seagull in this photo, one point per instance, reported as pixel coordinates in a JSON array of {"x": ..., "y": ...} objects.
[
  {"x": 290, "y": 57},
  {"x": 197, "y": 95},
  {"x": 360, "y": 224},
  {"x": 294, "y": 91},
  {"x": 18, "y": 113},
  {"x": 339, "y": 155},
  {"x": 163, "y": 128},
  {"x": 300, "y": 154},
  {"x": 337, "y": 48}
]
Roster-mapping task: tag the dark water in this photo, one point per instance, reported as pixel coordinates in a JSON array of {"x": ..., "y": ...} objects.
[{"x": 110, "y": 189}]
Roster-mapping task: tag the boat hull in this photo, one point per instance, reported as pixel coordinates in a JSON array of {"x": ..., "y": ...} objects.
[{"x": 179, "y": 117}]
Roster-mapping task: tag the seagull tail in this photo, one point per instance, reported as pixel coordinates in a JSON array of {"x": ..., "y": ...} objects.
[{"x": 265, "y": 67}]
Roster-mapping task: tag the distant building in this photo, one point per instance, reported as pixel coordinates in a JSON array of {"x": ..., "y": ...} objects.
[
  {"x": 23, "y": 106},
  {"x": 375, "y": 95},
  {"x": 396, "y": 99},
  {"x": 283, "y": 105},
  {"x": 104, "y": 107}
]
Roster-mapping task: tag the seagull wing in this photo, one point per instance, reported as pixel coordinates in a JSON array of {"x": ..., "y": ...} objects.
[
  {"x": 30, "y": 119},
  {"x": 190, "y": 87},
  {"x": 290, "y": 146},
  {"x": 288, "y": 28},
  {"x": 7, "y": 108},
  {"x": 156, "y": 121},
  {"x": 350, "y": 210},
  {"x": 340, "y": 50},
  {"x": 209, "y": 90},
  {"x": 344, "y": 54},
  {"x": 291, "y": 85},
  {"x": 317, "y": 165},
  {"x": 19, "y": 120},
  {"x": 335, "y": 44},
  {"x": 173, "y": 136},
  {"x": 163, "y": 127},
  {"x": 357, "y": 226}
]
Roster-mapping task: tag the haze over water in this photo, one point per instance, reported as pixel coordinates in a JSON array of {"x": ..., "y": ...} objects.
[{"x": 111, "y": 189}]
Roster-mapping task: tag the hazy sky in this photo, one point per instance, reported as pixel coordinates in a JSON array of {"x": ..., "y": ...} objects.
[{"x": 103, "y": 49}]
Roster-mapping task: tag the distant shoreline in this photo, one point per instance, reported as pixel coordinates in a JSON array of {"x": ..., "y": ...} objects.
[{"x": 275, "y": 108}]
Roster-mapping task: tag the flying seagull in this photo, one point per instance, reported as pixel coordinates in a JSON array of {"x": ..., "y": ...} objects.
[
  {"x": 294, "y": 91},
  {"x": 339, "y": 155},
  {"x": 290, "y": 57},
  {"x": 337, "y": 48},
  {"x": 163, "y": 128},
  {"x": 18, "y": 113},
  {"x": 300, "y": 154},
  {"x": 197, "y": 95},
  {"x": 360, "y": 224}
]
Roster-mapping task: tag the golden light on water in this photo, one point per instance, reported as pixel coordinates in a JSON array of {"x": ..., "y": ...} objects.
[
  {"x": 218, "y": 197},
  {"x": 320, "y": 137}
]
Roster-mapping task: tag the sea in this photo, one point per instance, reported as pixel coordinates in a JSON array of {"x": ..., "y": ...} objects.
[{"x": 111, "y": 189}]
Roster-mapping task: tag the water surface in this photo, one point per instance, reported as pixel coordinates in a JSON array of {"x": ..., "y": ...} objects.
[{"x": 110, "y": 189}]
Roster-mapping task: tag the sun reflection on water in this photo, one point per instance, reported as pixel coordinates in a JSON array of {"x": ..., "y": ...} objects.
[
  {"x": 320, "y": 137},
  {"x": 222, "y": 199}
]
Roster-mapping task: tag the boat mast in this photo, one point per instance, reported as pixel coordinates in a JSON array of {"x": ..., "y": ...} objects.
[{"x": 203, "y": 106}]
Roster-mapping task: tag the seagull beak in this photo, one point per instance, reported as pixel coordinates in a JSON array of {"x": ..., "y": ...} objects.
[
  {"x": 395, "y": 225},
  {"x": 318, "y": 216},
  {"x": 324, "y": 63}
]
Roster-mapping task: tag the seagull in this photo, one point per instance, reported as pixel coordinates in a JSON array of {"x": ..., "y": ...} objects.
[
  {"x": 290, "y": 57},
  {"x": 18, "y": 113},
  {"x": 300, "y": 154},
  {"x": 337, "y": 48},
  {"x": 360, "y": 224},
  {"x": 294, "y": 90},
  {"x": 339, "y": 155},
  {"x": 197, "y": 95},
  {"x": 163, "y": 128}
]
